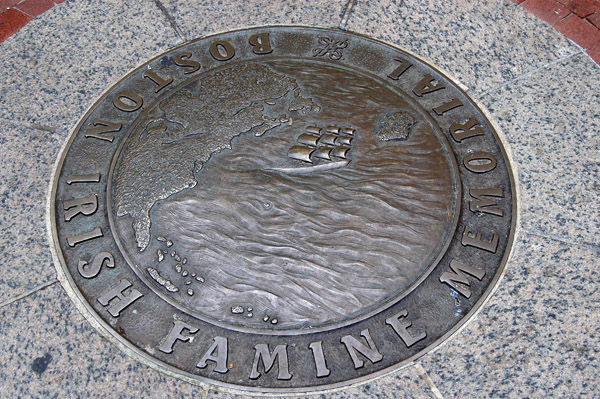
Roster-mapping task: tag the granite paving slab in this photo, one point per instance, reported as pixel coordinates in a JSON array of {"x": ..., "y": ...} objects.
[
  {"x": 200, "y": 18},
  {"x": 481, "y": 43},
  {"x": 551, "y": 119},
  {"x": 537, "y": 337},
  {"x": 28, "y": 157},
  {"x": 49, "y": 350},
  {"x": 55, "y": 68}
]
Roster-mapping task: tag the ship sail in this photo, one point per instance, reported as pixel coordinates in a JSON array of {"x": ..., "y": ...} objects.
[
  {"x": 313, "y": 129},
  {"x": 318, "y": 144},
  {"x": 328, "y": 139},
  {"x": 308, "y": 139},
  {"x": 322, "y": 153},
  {"x": 301, "y": 153},
  {"x": 343, "y": 140},
  {"x": 340, "y": 152}
]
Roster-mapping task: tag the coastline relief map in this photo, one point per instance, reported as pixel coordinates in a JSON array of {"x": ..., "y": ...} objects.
[
  {"x": 256, "y": 197},
  {"x": 203, "y": 124}
]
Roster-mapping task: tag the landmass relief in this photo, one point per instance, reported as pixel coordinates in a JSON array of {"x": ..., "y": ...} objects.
[
  {"x": 160, "y": 161},
  {"x": 274, "y": 219}
]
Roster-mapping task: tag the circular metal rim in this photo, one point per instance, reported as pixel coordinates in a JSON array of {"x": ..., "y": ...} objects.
[
  {"x": 327, "y": 326},
  {"x": 104, "y": 328}
]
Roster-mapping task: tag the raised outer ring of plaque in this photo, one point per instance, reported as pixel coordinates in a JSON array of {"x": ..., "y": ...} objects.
[
  {"x": 457, "y": 187},
  {"x": 107, "y": 331}
]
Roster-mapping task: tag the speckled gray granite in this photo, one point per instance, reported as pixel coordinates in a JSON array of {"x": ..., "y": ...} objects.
[
  {"x": 49, "y": 350},
  {"x": 200, "y": 18},
  {"x": 28, "y": 156},
  {"x": 536, "y": 338},
  {"x": 52, "y": 70},
  {"x": 551, "y": 119},
  {"x": 482, "y": 43},
  {"x": 538, "y": 335}
]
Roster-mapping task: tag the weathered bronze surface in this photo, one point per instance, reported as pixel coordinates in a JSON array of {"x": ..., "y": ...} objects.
[{"x": 282, "y": 209}]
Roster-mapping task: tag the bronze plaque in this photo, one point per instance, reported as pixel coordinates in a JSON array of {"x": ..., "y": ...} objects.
[{"x": 282, "y": 209}]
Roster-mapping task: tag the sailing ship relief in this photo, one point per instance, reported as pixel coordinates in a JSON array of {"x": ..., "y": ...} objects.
[{"x": 325, "y": 149}]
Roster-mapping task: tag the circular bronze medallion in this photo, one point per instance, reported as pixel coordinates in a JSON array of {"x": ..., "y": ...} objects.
[{"x": 282, "y": 209}]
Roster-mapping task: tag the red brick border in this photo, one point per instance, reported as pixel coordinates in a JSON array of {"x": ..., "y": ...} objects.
[
  {"x": 15, "y": 14},
  {"x": 579, "y": 20},
  {"x": 11, "y": 21}
]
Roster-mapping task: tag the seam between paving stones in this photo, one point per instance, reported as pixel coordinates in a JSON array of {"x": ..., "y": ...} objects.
[
  {"x": 436, "y": 392},
  {"x": 579, "y": 52},
  {"x": 563, "y": 240},
  {"x": 346, "y": 15},
  {"x": 37, "y": 126},
  {"x": 28, "y": 293},
  {"x": 171, "y": 20}
]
